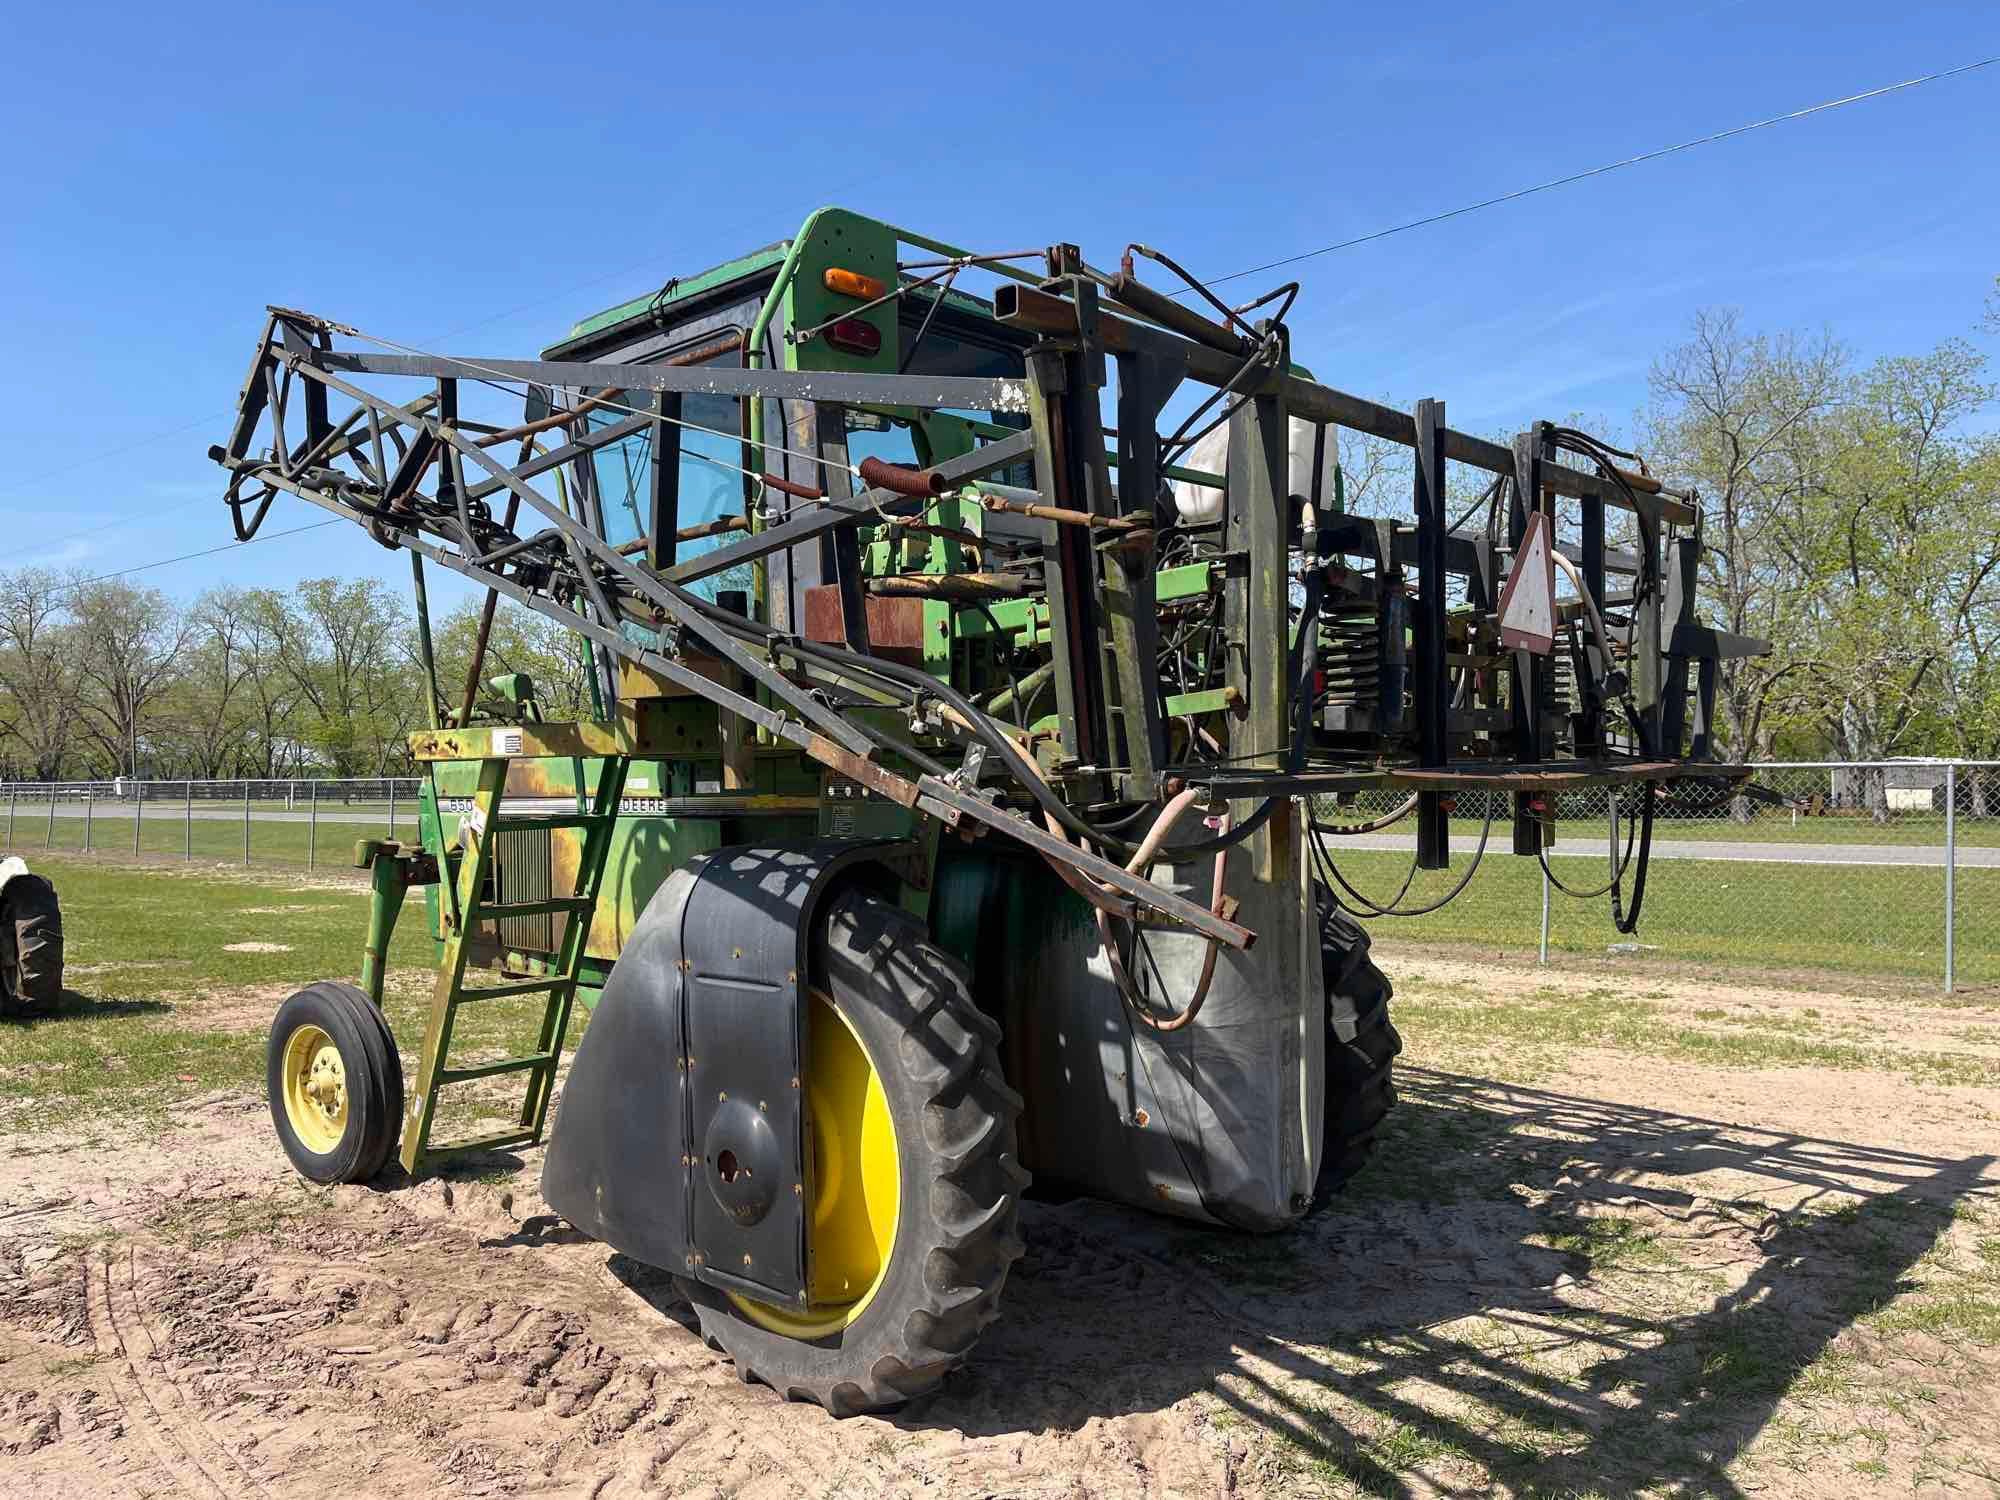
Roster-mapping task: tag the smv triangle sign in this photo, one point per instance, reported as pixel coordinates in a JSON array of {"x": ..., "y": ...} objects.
[{"x": 1528, "y": 599}]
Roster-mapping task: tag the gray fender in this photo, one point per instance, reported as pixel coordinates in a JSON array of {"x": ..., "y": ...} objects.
[{"x": 700, "y": 1017}]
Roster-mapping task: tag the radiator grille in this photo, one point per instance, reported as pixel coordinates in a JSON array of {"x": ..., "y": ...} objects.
[{"x": 526, "y": 873}]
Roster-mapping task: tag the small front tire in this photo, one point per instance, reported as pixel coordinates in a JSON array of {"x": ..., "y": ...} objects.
[{"x": 334, "y": 1083}]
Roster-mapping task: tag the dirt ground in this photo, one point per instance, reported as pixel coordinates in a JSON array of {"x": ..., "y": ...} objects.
[{"x": 1663, "y": 1236}]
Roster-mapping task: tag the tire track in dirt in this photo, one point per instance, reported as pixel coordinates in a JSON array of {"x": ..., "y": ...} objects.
[
  {"x": 426, "y": 1348},
  {"x": 134, "y": 1316},
  {"x": 186, "y": 1471}
]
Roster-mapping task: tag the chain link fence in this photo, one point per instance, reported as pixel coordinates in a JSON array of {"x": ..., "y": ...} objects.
[
  {"x": 1888, "y": 867},
  {"x": 276, "y": 821}
]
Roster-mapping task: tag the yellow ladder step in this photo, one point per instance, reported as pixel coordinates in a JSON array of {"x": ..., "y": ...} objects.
[
  {"x": 533, "y": 986},
  {"x": 494, "y": 1069},
  {"x": 496, "y": 1141}
]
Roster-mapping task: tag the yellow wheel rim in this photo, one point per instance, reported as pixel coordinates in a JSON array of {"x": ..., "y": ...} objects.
[
  {"x": 853, "y": 1179},
  {"x": 315, "y": 1089}
]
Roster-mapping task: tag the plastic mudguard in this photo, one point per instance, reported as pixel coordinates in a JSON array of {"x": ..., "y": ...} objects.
[
  {"x": 1219, "y": 1121},
  {"x": 680, "y": 1139}
]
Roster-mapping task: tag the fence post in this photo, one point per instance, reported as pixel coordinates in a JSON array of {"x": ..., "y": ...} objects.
[
  {"x": 246, "y": 821},
  {"x": 89, "y": 805},
  {"x": 138, "y": 812},
  {"x": 13, "y": 798},
  {"x": 1950, "y": 873},
  {"x": 52, "y": 814},
  {"x": 1545, "y": 914},
  {"x": 392, "y": 802},
  {"x": 312, "y": 827},
  {"x": 190, "y": 818}
]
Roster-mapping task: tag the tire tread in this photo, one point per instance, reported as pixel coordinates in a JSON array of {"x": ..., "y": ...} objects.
[{"x": 966, "y": 1241}]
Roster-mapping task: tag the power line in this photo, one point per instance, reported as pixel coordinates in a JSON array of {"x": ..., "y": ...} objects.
[
  {"x": 268, "y": 536},
  {"x": 1347, "y": 244},
  {"x": 1630, "y": 161}
]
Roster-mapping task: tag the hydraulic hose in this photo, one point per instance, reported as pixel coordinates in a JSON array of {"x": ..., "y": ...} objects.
[
  {"x": 1387, "y": 820},
  {"x": 1393, "y": 909},
  {"x": 1619, "y": 864},
  {"x": 1628, "y": 923},
  {"x": 1149, "y": 851}
]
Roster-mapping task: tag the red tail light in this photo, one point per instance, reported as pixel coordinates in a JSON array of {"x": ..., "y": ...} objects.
[{"x": 853, "y": 336}]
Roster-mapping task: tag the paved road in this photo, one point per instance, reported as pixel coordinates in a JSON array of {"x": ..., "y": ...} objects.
[{"x": 215, "y": 812}]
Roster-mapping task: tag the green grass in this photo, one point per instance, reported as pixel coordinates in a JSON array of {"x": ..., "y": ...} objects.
[
  {"x": 1960, "y": 1315},
  {"x": 1606, "y": 1242},
  {"x": 1857, "y": 919},
  {"x": 193, "y": 1224},
  {"x": 1863, "y": 920},
  {"x": 1550, "y": 1024},
  {"x": 158, "y": 1011}
]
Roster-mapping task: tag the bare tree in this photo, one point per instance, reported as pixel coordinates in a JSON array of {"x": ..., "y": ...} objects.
[
  {"x": 39, "y": 680},
  {"x": 1736, "y": 415},
  {"x": 231, "y": 712},
  {"x": 341, "y": 645},
  {"x": 130, "y": 642}
]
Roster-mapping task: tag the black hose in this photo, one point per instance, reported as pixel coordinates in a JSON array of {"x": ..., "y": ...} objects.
[
  {"x": 1629, "y": 924},
  {"x": 1003, "y": 646},
  {"x": 1393, "y": 909},
  {"x": 930, "y": 765},
  {"x": 1618, "y": 870}
]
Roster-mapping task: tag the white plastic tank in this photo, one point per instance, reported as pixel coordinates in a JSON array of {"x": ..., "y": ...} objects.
[{"x": 1200, "y": 505}]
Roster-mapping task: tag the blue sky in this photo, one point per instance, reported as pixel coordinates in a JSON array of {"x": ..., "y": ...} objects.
[{"x": 171, "y": 169}]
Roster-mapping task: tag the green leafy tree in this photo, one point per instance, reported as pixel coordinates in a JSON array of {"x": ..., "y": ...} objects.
[
  {"x": 520, "y": 641},
  {"x": 342, "y": 645}
]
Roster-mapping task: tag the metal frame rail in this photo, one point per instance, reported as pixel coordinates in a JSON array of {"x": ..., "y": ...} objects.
[{"x": 417, "y": 477}]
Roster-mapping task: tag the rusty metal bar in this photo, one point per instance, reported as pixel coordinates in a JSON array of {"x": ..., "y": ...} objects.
[
  {"x": 1037, "y": 311},
  {"x": 966, "y": 586},
  {"x": 1059, "y": 514}
]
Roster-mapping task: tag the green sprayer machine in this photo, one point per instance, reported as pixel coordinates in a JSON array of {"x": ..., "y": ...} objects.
[{"x": 976, "y": 685}]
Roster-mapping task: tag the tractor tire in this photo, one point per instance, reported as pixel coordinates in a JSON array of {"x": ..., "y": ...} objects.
[
  {"x": 906, "y": 1096},
  {"x": 334, "y": 1083},
  {"x": 1361, "y": 1050},
  {"x": 31, "y": 980}
]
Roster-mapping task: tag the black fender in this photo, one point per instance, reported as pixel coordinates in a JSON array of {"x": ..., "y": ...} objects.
[{"x": 680, "y": 1138}]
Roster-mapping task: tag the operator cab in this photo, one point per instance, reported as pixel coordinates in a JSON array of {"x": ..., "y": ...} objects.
[{"x": 827, "y": 318}]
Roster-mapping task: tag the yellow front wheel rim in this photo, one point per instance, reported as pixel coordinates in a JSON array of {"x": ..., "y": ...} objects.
[
  {"x": 853, "y": 1182},
  {"x": 315, "y": 1089}
]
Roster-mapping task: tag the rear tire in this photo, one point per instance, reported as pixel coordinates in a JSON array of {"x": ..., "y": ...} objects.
[
  {"x": 334, "y": 1083},
  {"x": 1361, "y": 1049},
  {"x": 32, "y": 981},
  {"x": 910, "y": 1008}
]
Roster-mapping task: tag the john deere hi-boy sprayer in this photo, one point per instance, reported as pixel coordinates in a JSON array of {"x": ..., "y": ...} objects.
[{"x": 954, "y": 808}]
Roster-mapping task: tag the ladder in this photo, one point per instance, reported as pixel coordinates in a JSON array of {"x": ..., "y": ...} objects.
[{"x": 466, "y": 911}]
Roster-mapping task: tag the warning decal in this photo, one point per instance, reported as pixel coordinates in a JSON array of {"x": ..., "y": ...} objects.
[{"x": 1528, "y": 598}]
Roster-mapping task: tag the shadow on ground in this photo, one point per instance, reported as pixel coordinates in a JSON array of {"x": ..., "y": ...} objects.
[
  {"x": 1322, "y": 1337},
  {"x": 77, "y": 1006}
]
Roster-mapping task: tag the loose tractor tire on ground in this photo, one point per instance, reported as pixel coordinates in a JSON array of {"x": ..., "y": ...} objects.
[{"x": 979, "y": 689}]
